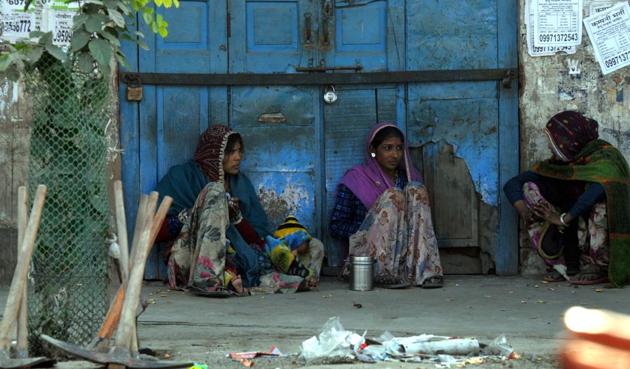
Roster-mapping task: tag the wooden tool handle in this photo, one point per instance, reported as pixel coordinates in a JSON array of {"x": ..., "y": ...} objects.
[
  {"x": 22, "y": 330},
  {"x": 121, "y": 229},
  {"x": 127, "y": 320},
  {"x": 21, "y": 270}
]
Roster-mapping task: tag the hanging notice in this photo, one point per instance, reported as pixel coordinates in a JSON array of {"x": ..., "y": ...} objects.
[
  {"x": 16, "y": 23},
  {"x": 60, "y": 23},
  {"x": 540, "y": 50},
  {"x": 609, "y": 32},
  {"x": 557, "y": 22},
  {"x": 43, "y": 15},
  {"x": 600, "y": 6}
]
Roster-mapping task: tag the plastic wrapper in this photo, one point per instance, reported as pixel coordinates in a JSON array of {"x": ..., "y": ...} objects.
[{"x": 333, "y": 342}]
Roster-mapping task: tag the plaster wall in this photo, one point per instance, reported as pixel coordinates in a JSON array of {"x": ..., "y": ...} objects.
[
  {"x": 547, "y": 88},
  {"x": 15, "y": 125}
]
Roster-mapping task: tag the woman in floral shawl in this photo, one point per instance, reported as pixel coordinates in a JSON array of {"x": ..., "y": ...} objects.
[
  {"x": 382, "y": 210},
  {"x": 577, "y": 204},
  {"x": 218, "y": 223}
]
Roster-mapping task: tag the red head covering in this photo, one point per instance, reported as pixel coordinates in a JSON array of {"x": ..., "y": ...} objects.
[
  {"x": 368, "y": 181},
  {"x": 569, "y": 132},
  {"x": 211, "y": 151}
]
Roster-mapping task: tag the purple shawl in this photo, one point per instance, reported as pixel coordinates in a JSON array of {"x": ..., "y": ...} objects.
[{"x": 368, "y": 181}]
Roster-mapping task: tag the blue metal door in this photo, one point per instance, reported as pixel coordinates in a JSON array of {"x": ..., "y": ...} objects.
[
  {"x": 162, "y": 130},
  {"x": 298, "y": 147}
]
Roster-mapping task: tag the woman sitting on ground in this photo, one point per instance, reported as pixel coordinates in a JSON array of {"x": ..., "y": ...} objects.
[
  {"x": 219, "y": 226},
  {"x": 382, "y": 210},
  {"x": 577, "y": 204}
]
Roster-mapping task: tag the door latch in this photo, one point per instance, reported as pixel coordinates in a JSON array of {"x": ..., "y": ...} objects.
[{"x": 135, "y": 91}]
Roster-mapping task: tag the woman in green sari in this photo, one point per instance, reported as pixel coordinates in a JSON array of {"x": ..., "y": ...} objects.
[{"x": 577, "y": 204}]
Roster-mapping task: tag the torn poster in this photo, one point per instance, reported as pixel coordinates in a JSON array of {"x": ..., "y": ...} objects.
[
  {"x": 599, "y": 6},
  {"x": 557, "y": 22},
  {"x": 540, "y": 50},
  {"x": 609, "y": 32}
]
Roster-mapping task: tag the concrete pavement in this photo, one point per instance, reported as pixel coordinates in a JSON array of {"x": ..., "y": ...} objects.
[{"x": 526, "y": 310}]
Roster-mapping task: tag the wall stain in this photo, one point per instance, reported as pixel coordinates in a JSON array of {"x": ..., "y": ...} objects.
[{"x": 280, "y": 205}]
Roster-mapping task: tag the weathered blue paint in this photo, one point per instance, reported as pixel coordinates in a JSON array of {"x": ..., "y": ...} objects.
[
  {"x": 506, "y": 257},
  {"x": 465, "y": 115},
  {"x": 297, "y": 147}
]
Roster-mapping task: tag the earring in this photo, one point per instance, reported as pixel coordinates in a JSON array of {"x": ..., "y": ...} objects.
[{"x": 373, "y": 155}]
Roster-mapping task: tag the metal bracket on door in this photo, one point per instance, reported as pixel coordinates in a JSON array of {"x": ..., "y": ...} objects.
[{"x": 507, "y": 79}]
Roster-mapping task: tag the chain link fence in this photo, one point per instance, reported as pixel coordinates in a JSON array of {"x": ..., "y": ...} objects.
[{"x": 68, "y": 280}]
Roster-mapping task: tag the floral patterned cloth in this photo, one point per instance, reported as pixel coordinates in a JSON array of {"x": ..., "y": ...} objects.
[
  {"x": 203, "y": 259},
  {"x": 592, "y": 233},
  {"x": 398, "y": 233}
]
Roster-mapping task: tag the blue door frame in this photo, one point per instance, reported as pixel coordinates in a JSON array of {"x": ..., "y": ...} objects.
[{"x": 161, "y": 130}]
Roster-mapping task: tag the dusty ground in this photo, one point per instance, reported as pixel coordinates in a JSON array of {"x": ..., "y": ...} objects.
[{"x": 527, "y": 311}]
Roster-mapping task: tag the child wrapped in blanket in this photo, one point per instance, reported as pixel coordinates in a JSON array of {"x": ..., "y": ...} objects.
[{"x": 295, "y": 252}]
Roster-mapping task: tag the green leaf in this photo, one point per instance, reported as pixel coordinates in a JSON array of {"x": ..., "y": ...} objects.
[
  {"x": 147, "y": 15},
  {"x": 168, "y": 3},
  {"x": 176, "y": 2},
  {"x": 5, "y": 62},
  {"x": 162, "y": 26},
  {"x": 46, "y": 39},
  {"x": 85, "y": 62},
  {"x": 95, "y": 22},
  {"x": 35, "y": 53},
  {"x": 117, "y": 17},
  {"x": 79, "y": 20},
  {"x": 122, "y": 60},
  {"x": 79, "y": 40},
  {"x": 124, "y": 8},
  {"x": 111, "y": 38},
  {"x": 12, "y": 73},
  {"x": 36, "y": 34},
  {"x": 105, "y": 70},
  {"x": 142, "y": 44},
  {"x": 158, "y": 2},
  {"x": 56, "y": 52},
  {"x": 101, "y": 50}
]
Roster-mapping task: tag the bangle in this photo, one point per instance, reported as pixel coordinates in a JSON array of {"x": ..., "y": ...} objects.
[{"x": 562, "y": 219}]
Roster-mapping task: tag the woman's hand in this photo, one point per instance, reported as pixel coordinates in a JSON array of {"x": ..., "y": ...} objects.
[
  {"x": 547, "y": 212},
  {"x": 524, "y": 212},
  {"x": 234, "y": 210}
]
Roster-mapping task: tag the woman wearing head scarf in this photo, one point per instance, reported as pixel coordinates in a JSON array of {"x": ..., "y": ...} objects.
[
  {"x": 219, "y": 225},
  {"x": 577, "y": 204},
  {"x": 382, "y": 210}
]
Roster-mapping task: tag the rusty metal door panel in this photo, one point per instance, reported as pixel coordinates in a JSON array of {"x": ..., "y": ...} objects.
[{"x": 279, "y": 126}]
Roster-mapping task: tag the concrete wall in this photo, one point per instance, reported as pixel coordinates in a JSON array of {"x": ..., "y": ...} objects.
[
  {"x": 14, "y": 147},
  {"x": 547, "y": 88}
]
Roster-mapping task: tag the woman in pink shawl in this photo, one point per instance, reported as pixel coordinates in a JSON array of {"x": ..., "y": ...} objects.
[{"x": 382, "y": 210}]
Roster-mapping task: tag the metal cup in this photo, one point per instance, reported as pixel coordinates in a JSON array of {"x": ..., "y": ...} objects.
[{"x": 362, "y": 276}]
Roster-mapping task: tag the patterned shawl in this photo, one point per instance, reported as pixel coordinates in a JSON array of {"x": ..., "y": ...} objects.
[
  {"x": 600, "y": 162},
  {"x": 211, "y": 151},
  {"x": 569, "y": 132},
  {"x": 368, "y": 181}
]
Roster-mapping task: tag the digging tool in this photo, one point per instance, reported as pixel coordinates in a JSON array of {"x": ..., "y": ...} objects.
[
  {"x": 124, "y": 353},
  {"x": 15, "y": 308}
]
